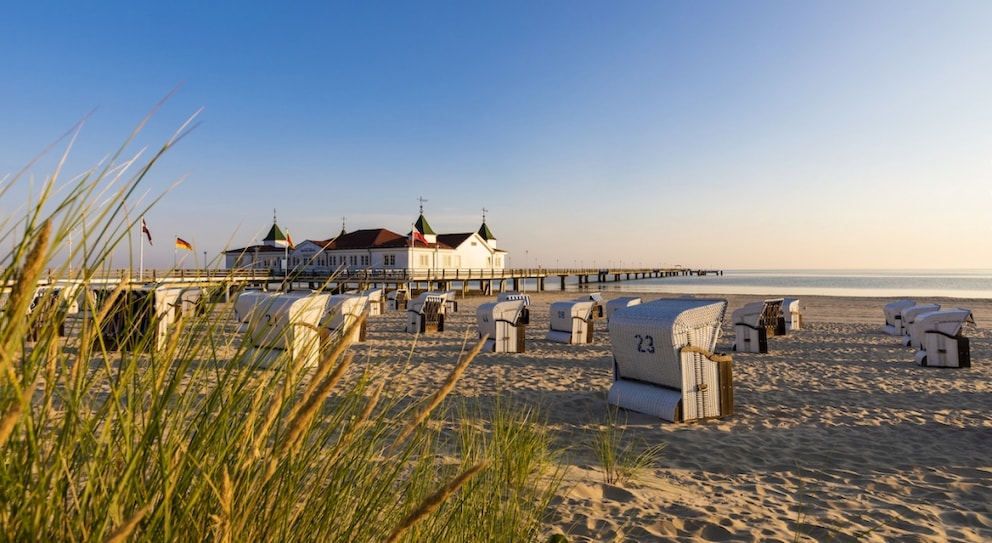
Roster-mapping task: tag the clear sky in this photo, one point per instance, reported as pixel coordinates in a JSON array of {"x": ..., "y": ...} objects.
[{"x": 716, "y": 134}]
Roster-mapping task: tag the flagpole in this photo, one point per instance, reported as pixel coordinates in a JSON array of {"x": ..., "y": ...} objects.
[
  {"x": 141, "y": 252},
  {"x": 175, "y": 254}
]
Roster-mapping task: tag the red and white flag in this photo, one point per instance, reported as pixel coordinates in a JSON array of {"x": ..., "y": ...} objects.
[
  {"x": 144, "y": 230},
  {"x": 418, "y": 236}
]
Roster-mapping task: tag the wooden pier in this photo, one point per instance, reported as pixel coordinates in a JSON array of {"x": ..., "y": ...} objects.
[{"x": 483, "y": 281}]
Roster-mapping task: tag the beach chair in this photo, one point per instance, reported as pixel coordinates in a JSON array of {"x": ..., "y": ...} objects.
[
  {"x": 341, "y": 316},
  {"x": 893, "y": 316},
  {"x": 772, "y": 317},
  {"x": 511, "y": 296},
  {"x": 571, "y": 321},
  {"x": 140, "y": 319},
  {"x": 397, "y": 299},
  {"x": 750, "y": 336},
  {"x": 942, "y": 342},
  {"x": 620, "y": 303},
  {"x": 450, "y": 301},
  {"x": 663, "y": 360},
  {"x": 911, "y": 335},
  {"x": 426, "y": 313},
  {"x": 793, "y": 317},
  {"x": 598, "y": 308},
  {"x": 286, "y": 329},
  {"x": 376, "y": 302},
  {"x": 501, "y": 322},
  {"x": 246, "y": 302}
]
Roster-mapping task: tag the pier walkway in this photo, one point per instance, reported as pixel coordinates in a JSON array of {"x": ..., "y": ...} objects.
[{"x": 484, "y": 281}]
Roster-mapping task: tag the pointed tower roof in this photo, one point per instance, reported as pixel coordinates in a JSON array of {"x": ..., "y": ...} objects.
[
  {"x": 484, "y": 231},
  {"x": 423, "y": 226},
  {"x": 275, "y": 237}
]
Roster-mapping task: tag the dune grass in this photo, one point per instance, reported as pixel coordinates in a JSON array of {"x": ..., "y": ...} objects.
[{"x": 190, "y": 441}]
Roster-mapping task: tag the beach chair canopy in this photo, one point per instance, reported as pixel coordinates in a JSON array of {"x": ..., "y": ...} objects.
[
  {"x": 893, "y": 311},
  {"x": 619, "y": 303},
  {"x": 947, "y": 322}
]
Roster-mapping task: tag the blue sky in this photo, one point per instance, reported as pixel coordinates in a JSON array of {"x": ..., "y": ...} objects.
[{"x": 722, "y": 134}]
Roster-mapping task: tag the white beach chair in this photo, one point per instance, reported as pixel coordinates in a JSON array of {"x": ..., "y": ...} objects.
[
  {"x": 287, "y": 329},
  {"x": 893, "y": 316},
  {"x": 342, "y": 314},
  {"x": 245, "y": 302},
  {"x": 597, "y": 298},
  {"x": 911, "y": 335},
  {"x": 425, "y": 313},
  {"x": 663, "y": 360},
  {"x": 140, "y": 318},
  {"x": 942, "y": 342},
  {"x": 571, "y": 321},
  {"x": 620, "y": 303},
  {"x": 501, "y": 322},
  {"x": 397, "y": 299},
  {"x": 511, "y": 296},
  {"x": 376, "y": 301},
  {"x": 749, "y": 334},
  {"x": 793, "y": 317}
]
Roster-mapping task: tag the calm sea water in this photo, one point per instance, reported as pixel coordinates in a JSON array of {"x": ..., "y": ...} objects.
[{"x": 885, "y": 283}]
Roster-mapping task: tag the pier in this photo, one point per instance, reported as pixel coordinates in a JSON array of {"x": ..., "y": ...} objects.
[{"x": 483, "y": 281}]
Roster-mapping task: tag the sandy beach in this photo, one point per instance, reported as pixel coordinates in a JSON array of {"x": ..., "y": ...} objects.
[{"x": 836, "y": 432}]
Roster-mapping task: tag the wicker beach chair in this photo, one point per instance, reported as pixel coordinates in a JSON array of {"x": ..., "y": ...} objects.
[
  {"x": 397, "y": 299},
  {"x": 943, "y": 344},
  {"x": 663, "y": 360},
  {"x": 501, "y": 321},
  {"x": 425, "y": 313},
  {"x": 893, "y": 316},
  {"x": 287, "y": 329},
  {"x": 597, "y": 298},
  {"x": 792, "y": 314},
  {"x": 571, "y": 321},
  {"x": 342, "y": 314},
  {"x": 376, "y": 301},
  {"x": 620, "y": 303},
  {"x": 911, "y": 335},
  {"x": 511, "y": 296},
  {"x": 749, "y": 334}
]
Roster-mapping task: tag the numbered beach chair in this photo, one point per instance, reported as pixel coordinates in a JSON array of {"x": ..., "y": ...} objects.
[
  {"x": 571, "y": 321},
  {"x": 664, "y": 364},
  {"x": 501, "y": 321},
  {"x": 286, "y": 329},
  {"x": 943, "y": 344},
  {"x": 511, "y": 296},
  {"x": 793, "y": 317},
  {"x": 893, "y": 316},
  {"x": 620, "y": 303},
  {"x": 911, "y": 335},
  {"x": 750, "y": 336},
  {"x": 246, "y": 302},
  {"x": 425, "y": 313}
]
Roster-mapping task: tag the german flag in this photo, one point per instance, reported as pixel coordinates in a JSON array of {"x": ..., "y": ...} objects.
[{"x": 183, "y": 244}]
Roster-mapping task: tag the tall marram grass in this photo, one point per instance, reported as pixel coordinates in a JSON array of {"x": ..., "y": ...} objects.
[{"x": 192, "y": 442}]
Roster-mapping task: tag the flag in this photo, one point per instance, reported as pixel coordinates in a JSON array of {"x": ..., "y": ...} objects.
[
  {"x": 144, "y": 230},
  {"x": 418, "y": 236},
  {"x": 183, "y": 244},
  {"x": 289, "y": 240}
]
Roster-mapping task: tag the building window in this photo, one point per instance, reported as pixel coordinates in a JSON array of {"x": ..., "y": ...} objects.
[
  {"x": 425, "y": 261},
  {"x": 354, "y": 260},
  {"x": 389, "y": 260},
  {"x": 365, "y": 260}
]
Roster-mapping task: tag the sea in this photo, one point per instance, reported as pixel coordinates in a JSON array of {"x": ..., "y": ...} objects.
[{"x": 874, "y": 283}]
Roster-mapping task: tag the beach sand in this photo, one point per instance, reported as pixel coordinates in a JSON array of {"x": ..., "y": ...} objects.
[{"x": 836, "y": 431}]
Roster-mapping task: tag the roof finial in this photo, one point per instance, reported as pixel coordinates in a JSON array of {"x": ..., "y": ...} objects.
[
  {"x": 342, "y": 223},
  {"x": 274, "y": 216},
  {"x": 421, "y": 200},
  {"x": 484, "y": 210}
]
